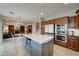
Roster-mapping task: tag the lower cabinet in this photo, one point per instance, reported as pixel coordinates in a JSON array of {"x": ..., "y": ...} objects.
[
  {"x": 36, "y": 51},
  {"x": 45, "y": 49},
  {"x": 28, "y": 49},
  {"x": 36, "y": 48},
  {"x": 73, "y": 43},
  {"x": 50, "y": 48}
]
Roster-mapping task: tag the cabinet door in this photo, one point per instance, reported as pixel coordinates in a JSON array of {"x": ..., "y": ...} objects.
[
  {"x": 73, "y": 43},
  {"x": 28, "y": 49},
  {"x": 76, "y": 44},
  {"x": 36, "y": 50},
  {"x": 72, "y": 22},
  {"x": 24, "y": 42},
  {"x": 70, "y": 43}
]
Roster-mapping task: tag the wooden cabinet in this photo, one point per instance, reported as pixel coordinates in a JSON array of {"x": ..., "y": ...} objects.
[
  {"x": 73, "y": 43},
  {"x": 77, "y": 19},
  {"x": 60, "y": 43},
  {"x": 72, "y": 22},
  {"x": 61, "y": 20}
]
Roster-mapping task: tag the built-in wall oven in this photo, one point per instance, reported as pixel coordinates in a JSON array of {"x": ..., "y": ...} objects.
[
  {"x": 61, "y": 32},
  {"x": 61, "y": 37}
]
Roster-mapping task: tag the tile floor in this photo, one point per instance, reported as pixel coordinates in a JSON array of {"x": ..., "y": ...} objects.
[{"x": 15, "y": 47}]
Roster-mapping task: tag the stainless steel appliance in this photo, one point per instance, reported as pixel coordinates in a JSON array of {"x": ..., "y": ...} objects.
[
  {"x": 50, "y": 30},
  {"x": 61, "y": 37},
  {"x": 61, "y": 32}
]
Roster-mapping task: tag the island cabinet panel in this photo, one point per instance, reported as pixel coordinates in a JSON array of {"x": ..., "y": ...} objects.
[
  {"x": 48, "y": 49},
  {"x": 35, "y": 48},
  {"x": 73, "y": 43},
  {"x": 28, "y": 49}
]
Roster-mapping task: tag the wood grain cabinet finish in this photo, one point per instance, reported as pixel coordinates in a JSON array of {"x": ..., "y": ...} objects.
[
  {"x": 61, "y": 20},
  {"x": 77, "y": 19},
  {"x": 72, "y": 22},
  {"x": 60, "y": 43},
  {"x": 73, "y": 43}
]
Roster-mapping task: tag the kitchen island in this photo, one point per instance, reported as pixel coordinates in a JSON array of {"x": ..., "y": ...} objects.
[{"x": 38, "y": 45}]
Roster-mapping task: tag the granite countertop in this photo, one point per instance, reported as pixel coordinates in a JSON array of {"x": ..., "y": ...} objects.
[{"x": 39, "y": 38}]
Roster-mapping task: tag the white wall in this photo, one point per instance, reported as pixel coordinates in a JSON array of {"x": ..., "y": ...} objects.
[
  {"x": 34, "y": 28},
  {"x": 1, "y": 34},
  {"x": 67, "y": 13}
]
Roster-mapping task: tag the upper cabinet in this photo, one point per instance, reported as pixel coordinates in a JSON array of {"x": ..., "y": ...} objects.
[
  {"x": 63, "y": 20},
  {"x": 72, "y": 22},
  {"x": 77, "y": 19}
]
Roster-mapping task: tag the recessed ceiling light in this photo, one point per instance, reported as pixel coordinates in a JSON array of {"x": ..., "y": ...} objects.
[
  {"x": 42, "y": 13},
  {"x": 11, "y": 13}
]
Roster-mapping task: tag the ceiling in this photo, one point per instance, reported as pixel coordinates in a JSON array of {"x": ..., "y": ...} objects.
[{"x": 31, "y": 12}]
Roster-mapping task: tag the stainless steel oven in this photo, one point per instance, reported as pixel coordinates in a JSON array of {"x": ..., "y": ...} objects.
[
  {"x": 61, "y": 32},
  {"x": 61, "y": 37}
]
